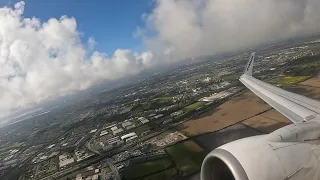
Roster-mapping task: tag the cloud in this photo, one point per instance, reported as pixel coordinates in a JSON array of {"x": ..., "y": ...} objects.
[
  {"x": 201, "y": 27},
  {"x": 91, "y": 43},
  {"x": 43, "y": 60}
]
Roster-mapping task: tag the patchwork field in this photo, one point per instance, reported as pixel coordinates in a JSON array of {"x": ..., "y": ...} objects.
[
  {"x": 215, "y": 139},
  {"x": 231, "y": 112},
  {"x": 187, "y": 156},
  {"x": 250, "y": 109},
  {"x": 290, "y": 79},
  {"x": 167, "y": 174},
  {"x": 193, "y": 106},
  {"x": 275, "y": 115},
  {"x": 315, "y": 82},
  {"x": 144, "y": 169},
  {"x": 263, "y": 124}
]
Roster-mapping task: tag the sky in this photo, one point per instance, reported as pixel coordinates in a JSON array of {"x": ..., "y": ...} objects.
[
  {"x": 111, "y": 23},
  {"x": 52, "y": 48}
]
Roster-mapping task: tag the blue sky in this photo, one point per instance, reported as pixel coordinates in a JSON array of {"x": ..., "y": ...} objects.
[{"x": 111, "y": 23}]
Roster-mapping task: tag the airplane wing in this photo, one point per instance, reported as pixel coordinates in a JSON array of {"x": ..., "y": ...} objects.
[{"x": 295, "y": 107}]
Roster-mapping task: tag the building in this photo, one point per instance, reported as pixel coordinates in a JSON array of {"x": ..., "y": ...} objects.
[
  {"x": 216, "y": 96},
  {"x": 65, "y": 160},
  {"x": 120, "y": 130},
  {"x": 114, "y": 141},
  {"x": 79, "y": 177},
  {"x": 170, "y": 139},
  {"x": 51, "y": 146},
  {"x": 89, "y": 175},
  {"x": 158, "y": 116},
  {"x": 177, "y": 113},
  {"x": 126, "y": 124},
  {"x": 95, "y": 177},
  {"x": 104, "y": 132},
  {"x": 224, "y": 84},
  {"x": 130, "y": 127},
  {"x": 129, "y": 136},
  {"x": 143, "y": 120},
  {"x": 82, "y": 154},
  {"x": 207, "y": 79},
  {"x": 115, "y": 130},
  {"x": 43, "y": 157},
  {"x": 167, "y": 121},
  {"x": 53, "y": 154},
  {"x": 109, "y": 126},
  {"x": 93, "y": 131},
  {"x": 151, "y": 115}
]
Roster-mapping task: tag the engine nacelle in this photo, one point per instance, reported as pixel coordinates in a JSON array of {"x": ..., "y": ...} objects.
[{"x": 267, "y": 157}]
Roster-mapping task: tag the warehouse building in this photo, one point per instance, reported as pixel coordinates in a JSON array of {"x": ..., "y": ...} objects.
[
  {"x": 143, "y": 120},
  {"x": 129, "y": 136}
]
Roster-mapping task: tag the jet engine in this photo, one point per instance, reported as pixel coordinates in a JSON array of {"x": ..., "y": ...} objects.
[{"x": 289, "y": 153}]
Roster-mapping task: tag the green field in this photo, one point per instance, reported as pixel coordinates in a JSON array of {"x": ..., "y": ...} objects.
[
  {"x": 51, "y": 170},
  {"x": 305, "y": 66},
  {"x": 151, "y": 104},
  {"x": 187, "y": 156},
  {"x": 290, "y": 79},
  {"x": 167, "y": 174},
  {"x": 231, "y": 77},
  {"x": 144, "y": 169},
  {"x": 193, "y": 106},
  {"x": 163, "y": 99}
]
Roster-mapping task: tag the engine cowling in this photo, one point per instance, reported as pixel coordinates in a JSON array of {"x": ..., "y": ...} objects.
[{"x": 291, "y": 153}]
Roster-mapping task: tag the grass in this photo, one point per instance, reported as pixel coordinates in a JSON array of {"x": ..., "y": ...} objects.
[
  {"x": 163, "y": 99},
  {"x": 141, "y": 107},
  {"x": 305, "y": 66},
  {"x": 188, "y": 156},
  {"x": 290, "y": 79},
  {"x": 108, "y": 170},
  {"x": 167, "y": 174},
  {"x": 230, "y": 77},
  {"x": 17, "y": 145},
  {"x": 144, "y": 169},
  {"x": 51, "y": 169},
  {"x": 193, "y": 106}
]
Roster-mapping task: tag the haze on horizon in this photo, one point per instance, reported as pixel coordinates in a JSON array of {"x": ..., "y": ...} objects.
[{"x": 43, "y": 60}]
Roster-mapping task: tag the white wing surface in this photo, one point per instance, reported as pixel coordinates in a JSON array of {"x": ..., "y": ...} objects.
[{"x": 295, "y": 107}]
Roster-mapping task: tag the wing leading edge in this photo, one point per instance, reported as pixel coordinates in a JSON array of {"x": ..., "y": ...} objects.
[{"x": 295, "y": 107}]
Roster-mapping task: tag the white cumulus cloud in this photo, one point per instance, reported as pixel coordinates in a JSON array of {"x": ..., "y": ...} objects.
[
  {"x": 41, "y": 60},
  {"x": 201, "y": 27}
]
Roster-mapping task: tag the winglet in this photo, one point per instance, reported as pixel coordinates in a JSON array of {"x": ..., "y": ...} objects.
[{"x": 249, "y": 67}]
